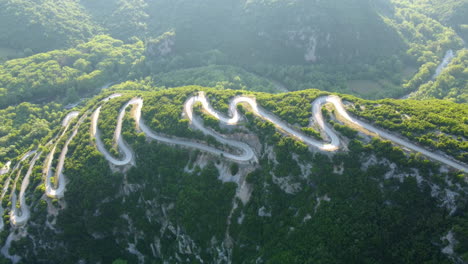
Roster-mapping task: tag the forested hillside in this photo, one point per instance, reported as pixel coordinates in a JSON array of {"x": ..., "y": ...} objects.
[
  {"x": 67, "y": 73},
  {"x": 43, "y": 25},
  {"x": 234, "y": 131},
  {"x": 451, "y": 84},
  {"x": 370, "y": 49},
  {"x": 184, "y": 205},
  {"x": 449, "y": 12},
  {"x": 25, "y": 125}
]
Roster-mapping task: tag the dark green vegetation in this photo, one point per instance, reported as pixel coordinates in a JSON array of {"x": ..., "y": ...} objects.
[
  {"x": 370, "y": 202},
  {"x": 68, "y": 73},
  {"x": 42, "y": 25},
  {"x": 335, "y": 210},
  {"x": 328, "y": 45},
  {"x": 451, "y": 84},
  {"x": 449, "y": 12},
  {"x": 335, "y": 218},
  {"x": 25, "y": 125},
  {"x": 436, "y": 124},
  {"x": 256, "y": 30},
  {"x": 220, "y": 77}
]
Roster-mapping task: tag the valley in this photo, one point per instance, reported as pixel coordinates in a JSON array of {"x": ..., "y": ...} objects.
[
  {"x": 249, "y": 131},
  {"x": 56, "y": 182}
]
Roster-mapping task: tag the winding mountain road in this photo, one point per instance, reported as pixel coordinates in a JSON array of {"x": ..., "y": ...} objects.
[
  {"x": 7, "y": 184},
  {"x": 336, "y": 101},
  {"x": 246, "y": 155},
  {"x": 51, "y": 190},
  {"x": 19, "y": 216},
  {"x": 246, "y": 152},
  {"x": 122, "y": 145},
  {"x": 243, "y": 152}
]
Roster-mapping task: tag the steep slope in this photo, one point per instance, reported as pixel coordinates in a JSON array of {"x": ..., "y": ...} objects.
[
  {"x": 68, "y": 73},
  {"x": 451, "y": 83},
  {"x": 260, "y": 30},
  {"x": 184, "y": 187},
  {"x": 44, "y": 25},
  {"x": 23, "y": 125},
  {"x": 372, "y": 49},
  {"x": 450, "y": 12},
  {"x": 123, "y": 19}
]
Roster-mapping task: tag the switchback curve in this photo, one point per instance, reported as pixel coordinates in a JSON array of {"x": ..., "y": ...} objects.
[
  {"x": 246, "y": 153},
  {"x": 58, "y": 191},
  {"x": 21, "y": 217},
  {"x": 7, "y": 184}
]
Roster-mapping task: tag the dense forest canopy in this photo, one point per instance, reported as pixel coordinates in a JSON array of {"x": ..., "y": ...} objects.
[
  {"x": 451, "y": 84},
  {"x": 391, "y": 47},
  {"x": 68, "y": 73},
  {"x": 42, "y": 25},
  {"x": 350, "y": 144},
  {"x": 449, "y": 12},
  {"x": 285, "y": 203}
]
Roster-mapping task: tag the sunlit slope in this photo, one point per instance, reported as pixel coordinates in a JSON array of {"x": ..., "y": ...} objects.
[{"x": 202, "y": 166}]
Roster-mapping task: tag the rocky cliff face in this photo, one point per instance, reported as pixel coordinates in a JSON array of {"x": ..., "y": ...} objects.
[
  {"x": 178, "y": 205},
  {"x": 283, "y": 31}
]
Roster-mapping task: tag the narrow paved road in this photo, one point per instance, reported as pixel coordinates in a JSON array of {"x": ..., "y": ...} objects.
[
  {"x": 123, "y": 147},
  {"x": 19, "y": 216},
  {"x": 336, "y": 101},
  {"x": 51, "y": 190},
  {"x": 243, "y": 154},
  {"x": 246, "y": 152},
  {"x": 7, "y": 184}
]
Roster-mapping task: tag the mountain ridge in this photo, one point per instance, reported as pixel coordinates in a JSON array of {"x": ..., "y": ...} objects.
[{"x": 133, "y": 138}]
